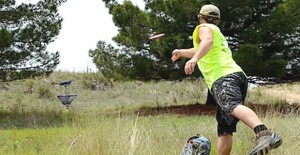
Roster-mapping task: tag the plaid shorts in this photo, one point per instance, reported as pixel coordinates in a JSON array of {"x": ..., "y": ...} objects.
[{"x": 229, "y": 91}]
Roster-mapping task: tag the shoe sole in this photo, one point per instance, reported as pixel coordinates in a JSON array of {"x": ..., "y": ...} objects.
[{"x": 267, "y": 145}]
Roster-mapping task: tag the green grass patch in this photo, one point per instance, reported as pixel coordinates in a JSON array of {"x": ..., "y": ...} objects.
[{"x": 101, "y": 121}]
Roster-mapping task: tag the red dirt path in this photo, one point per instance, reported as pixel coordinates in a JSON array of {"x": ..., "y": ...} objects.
[{"x": 200, "y": 109}]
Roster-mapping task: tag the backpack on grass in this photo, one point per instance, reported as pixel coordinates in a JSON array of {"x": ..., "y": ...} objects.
[{"x": 197, "y": 145}]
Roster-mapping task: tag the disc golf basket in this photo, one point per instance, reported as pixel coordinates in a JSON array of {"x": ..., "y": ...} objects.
[{"x": 66, "y": 98}]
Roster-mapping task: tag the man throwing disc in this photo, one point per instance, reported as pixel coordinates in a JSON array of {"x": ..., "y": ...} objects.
[{"x": 226, "y": 81}]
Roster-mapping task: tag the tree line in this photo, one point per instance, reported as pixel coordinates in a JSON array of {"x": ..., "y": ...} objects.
[
  {"x": 25, "y": 31},
  {"x": 263, "y": 35}
]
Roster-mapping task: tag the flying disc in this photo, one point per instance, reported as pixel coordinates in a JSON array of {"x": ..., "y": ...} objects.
[{"x": 156, "y": 36}]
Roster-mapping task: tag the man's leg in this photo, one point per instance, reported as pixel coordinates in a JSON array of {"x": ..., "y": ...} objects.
[
  {"x": 265, "y": 139},
  {"x": 230, "y": 92},
  {"x": 225, "y": 144},
  {"x": 225, "y": 132},
  {"x": 246, "y": 115}
]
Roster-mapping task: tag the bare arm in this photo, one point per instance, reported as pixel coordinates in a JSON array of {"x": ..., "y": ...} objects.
[
  {"x": 187, "y": 53},
  {"x": 206, "y": 37},
  {"x": 206, "y": 41}
]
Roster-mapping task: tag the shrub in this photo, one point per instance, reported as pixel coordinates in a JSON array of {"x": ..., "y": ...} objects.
[
  {"x": 95, "y": 81},
  {"x": 28, "y": 86},
  {"x": 43, "y": 89}
]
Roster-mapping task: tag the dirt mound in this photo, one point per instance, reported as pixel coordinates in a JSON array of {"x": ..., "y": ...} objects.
[{"x": 201, "y": 109}]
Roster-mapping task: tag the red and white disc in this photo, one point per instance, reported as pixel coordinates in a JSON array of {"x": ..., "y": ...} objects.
[{"x": 156, "y": 36}]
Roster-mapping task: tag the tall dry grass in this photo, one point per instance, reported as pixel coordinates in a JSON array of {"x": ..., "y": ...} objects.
[{"x": 101, "y": 121}]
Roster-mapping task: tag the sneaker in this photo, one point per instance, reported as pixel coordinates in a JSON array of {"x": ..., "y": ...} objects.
[{"x": 265, "y": 141}]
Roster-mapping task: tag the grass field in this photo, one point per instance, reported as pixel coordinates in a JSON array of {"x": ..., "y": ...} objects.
[{"x": 105, "y": 121}]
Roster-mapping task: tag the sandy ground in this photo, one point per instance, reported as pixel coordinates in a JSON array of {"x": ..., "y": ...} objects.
[{"x": 285, "y": 91}]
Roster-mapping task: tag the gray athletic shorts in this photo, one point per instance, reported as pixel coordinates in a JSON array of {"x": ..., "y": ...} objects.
[{"x": 229, "y": 91}]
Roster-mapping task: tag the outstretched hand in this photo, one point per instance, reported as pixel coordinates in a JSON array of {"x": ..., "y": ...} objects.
[{"x": 175, "y": 55}]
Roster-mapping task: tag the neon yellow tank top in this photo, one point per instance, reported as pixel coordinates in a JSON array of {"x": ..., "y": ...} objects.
[{"x": 218, "y": 61}]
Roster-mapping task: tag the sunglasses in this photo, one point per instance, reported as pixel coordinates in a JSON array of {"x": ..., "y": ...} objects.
[{"x": 198, "y": 17}]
